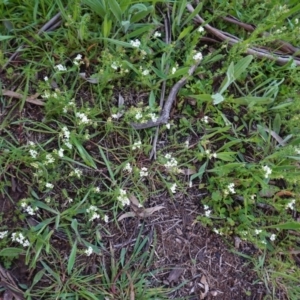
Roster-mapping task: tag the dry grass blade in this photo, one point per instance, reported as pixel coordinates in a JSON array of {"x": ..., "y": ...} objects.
[{"x": 32, "y": 99}]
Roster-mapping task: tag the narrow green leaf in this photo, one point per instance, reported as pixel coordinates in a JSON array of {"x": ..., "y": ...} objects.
[
  {"x": 141, "y": 14},
  {"x": 288, "y": 226},
  {"x": 185, "y": 32},
  {"x": 6, "y": 37},
  {"x": 72, "y": 258},
  {"x": 43, "y": 205},
  {"x": 38, "y": 277},
  {"x": 51, "y": 272},
  {"x": 242, "y": 65},
  {"x": 107, "y": 163},
  {"x": 277, "y": 123},
  {"x": 152, "y": 100},
  {"x": 200, "y": 172}
]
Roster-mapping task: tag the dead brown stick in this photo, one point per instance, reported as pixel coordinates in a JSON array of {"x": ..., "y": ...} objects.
[
  {"x": 164, "y": 117},
  {"x": 232, "y": 40}
]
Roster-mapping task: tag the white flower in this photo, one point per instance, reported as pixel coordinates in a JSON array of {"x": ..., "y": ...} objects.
[
  {"x": 66, "y": 132},
  {"x": 230, "y": 187},
  {"x": 70, "y": 200},
  {"x": 153, "y": 117},
  {"x": 33, "y": 153},
  {"x": 92, "y": 208},
  {"x": 168, "y": 125},
  {"x": 49, "y": 159},
  {"x": 173, "y": 70},
  {"x": 144, "y": 172},
  {"x": 207, "y": 213},
  {"x": 96, "y": 189},
  {"x": 123, "y": 198},
  {"x": 83, "y": 118},
  {"x": 49, "y": 185},
  {"x": 47, "y": 199},
  {"x": 46, "y": 78},
  {"x": 30, "y": 210},
  {"x": 105, "y": 218},
  {"x": 68, "y": 144},
  {"x": 291, "y": 204},
  {"x": 171, "y": 161},
  {"x": 94, "y": 216},
  {"x": 200, "y": 29},
  {"x": 77, "y": 173},
  {"x": 19, "y": 237},
  {"x": 128, "y": 168},
  {"x": 78, "y": 57},
  {"x": 157, "y": 34},
  {"x": 198, "y": 56},
  {"x": 173, "y": 188},
  {"x": 46, "y": 95},
  {"x": 296, "y": 21},
  {"x": 138, "y": 115},
  {"x": 206, "y": 207},
  {"x": 186, "y": 144},
  {"x": 205, "y": 119},
  {"x": 114, "y": 65},
  {"x": 267, "y": 170},
  {"x": 264, "y": 242},
  {"x": 272, "y": 237},
  {"x": 137, "y": 145},
  {"x": 3, "y": 234},
  {"x": 257, "y": 231},
  {"x": 135, "y": 43},
  {"x": 61, "y": 152},
  {"x": 88, "y": 251},
  {"x": 217, "y": 231},
  {"x": 145, "y": 72},
  {"x": 60, "y": 67}
]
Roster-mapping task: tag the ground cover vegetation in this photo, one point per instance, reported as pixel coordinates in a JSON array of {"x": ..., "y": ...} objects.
[{"x": 123, "y": 121}]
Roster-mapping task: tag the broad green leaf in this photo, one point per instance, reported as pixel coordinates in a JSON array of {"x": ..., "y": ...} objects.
[
  {"x": 38, "y": 277},
  {"x": 179, "y": 14},
  {"x": 141, "y": 14},
  {"x": 202, "y": 97},
  {"x": 98, "y": 6},
  {"x": 251, "y": 101},
  {"x": 116, "y": 10},
  {"x": 217, "y": 98},
  {"x": 106, "y": 26},
  {"x": 185, "y": 32},
  {"x": 226, "y": 156},
  {"x": 152, "y": 100},
  {"x": 11, "y": 252},
  {"x": 72, "y": 258},
  {"x": 159, "y": 73},
  {"x": 45, "y": 206},
  {"x": 242, "y": 65}
]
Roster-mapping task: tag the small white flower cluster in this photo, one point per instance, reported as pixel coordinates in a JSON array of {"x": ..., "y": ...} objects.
[
  {"x": 33, "y": 153},
  {"x": 174, "y": 69},
  {"x": 70, "y": 104},
  {"x": 273, "y": 237},
  {"x": 96, "y": 189},
  {"x": 123, "y": 198},
  {"x": 144, "y": 172},
  {"x": 138, "y": 115},
  {"x": 200, "y": 29},
  {"x": 230, "y": 189},
  {"x": 168, "y": 125},
  {"x": 211, "y": 155},
  {"x": 291, "y": 204},
  {"x": 198, "y": 56},
  {"x": 153, "y": 117},
  {"x": 171, "y": 161},
  {"x": 173, "y": 188},
  {"x": 49, "y": 159},
  {"x": 28, "y": 209},
  {"x": 157, "y": 34},
  {"x": 205, "y": 119},
  {"x": 83, "y": 119},
  {"x": 267, "y": 170},
  {"x": 60, "y": 67},
  {"x": 66, "y": 137},
  {"x": 297, "y": 150},
  {"x": 136, "y": 145},
  {"x": 207, "y": 211},
  {"x": 88, "y": 251},
  {"x": 48, "y": 95},
  {"x": 46, "y": 78},
  {"x": 49, "y": 185},
  {"x": 127, "y": 168},
  {"x": 217, "y": 231},
  {"x": 77, "y": 173},
  {"x": 257, "y": 231},
  {"x": 135, "y": 43},
  {"x": 60, "y": 152},
  {"x": 145, "y": 72},
  {"x": 92, "y": 210},
  {"x": 106, "y": 219},
  {"x": 3, "y": 234},
  {"x": 19, "y": 237},
  {"x": 78, "y": 60}
]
